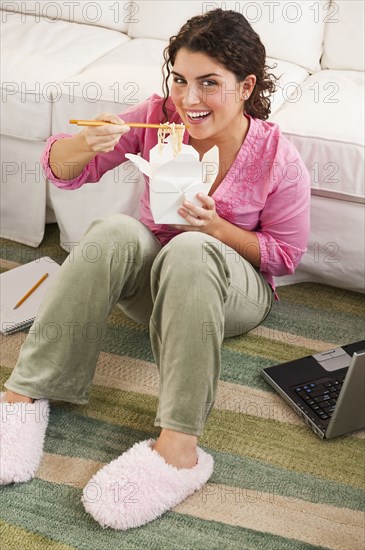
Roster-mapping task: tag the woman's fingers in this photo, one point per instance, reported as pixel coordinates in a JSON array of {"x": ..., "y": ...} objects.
[
  {"x": 103, "y": 139},
  {"x": 199, "y": 218},
  {"x": 207, "y": 201},
  {"x": 202, "y": 211},
  {"x": 105, "y": 147},
  {"x": 120, "y": 125}
]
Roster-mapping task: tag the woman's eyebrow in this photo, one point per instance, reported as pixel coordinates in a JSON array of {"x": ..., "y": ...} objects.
[{"x": 198, "y": 77}]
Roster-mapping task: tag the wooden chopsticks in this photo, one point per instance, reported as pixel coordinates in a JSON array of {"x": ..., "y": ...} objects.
[{"x": 131, "y": 124}]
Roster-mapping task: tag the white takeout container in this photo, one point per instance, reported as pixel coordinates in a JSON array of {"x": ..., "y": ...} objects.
[{"x": 175, "y": 179}]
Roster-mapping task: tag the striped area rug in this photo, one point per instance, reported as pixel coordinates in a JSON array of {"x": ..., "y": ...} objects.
[{"x": 275, "y": 486}]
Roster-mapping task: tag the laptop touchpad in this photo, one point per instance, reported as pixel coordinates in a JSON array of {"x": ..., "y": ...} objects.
[{"x": 333, "y": 359}]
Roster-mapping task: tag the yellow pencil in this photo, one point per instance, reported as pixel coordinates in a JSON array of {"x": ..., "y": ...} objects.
[{"x": 31, "y": 290}]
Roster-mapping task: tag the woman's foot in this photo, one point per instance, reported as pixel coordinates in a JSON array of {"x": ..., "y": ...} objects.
[
  {"x": 139, "y": 486},
  {"x": 177, "y": 448},
  {"x": 23, "y": 425},
  {"x": 12, "y": 397}
]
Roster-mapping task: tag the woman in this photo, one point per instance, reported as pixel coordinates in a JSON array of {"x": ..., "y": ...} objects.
[{"x": 193, "y": 284}]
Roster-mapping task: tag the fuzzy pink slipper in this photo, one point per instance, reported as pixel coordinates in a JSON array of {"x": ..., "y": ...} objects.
[
  {"x": 22, "y": 430},
  {"x": 139, "y": 486}
]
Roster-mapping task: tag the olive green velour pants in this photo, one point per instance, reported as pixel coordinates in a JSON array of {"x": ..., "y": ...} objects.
[{"x": 193, "y": 292}]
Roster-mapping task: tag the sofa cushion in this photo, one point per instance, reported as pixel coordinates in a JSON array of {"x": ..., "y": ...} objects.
[
  {"x": 290, "y": 76},
  {"x": 326, "y": 123},
  {"x": 112, "y": 15},
  {"x": 300, "y": 22},
  {"x": 37, "y": 55},
  {"x": 344, "y": 45}
]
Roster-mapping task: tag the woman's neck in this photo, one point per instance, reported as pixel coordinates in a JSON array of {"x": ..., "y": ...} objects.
[
  {"x": 228, "y": 144},
  {"x": 228, "y": 151}
]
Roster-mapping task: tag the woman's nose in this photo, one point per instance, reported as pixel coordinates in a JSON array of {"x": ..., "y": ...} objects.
[{"x": 192, "y": 95}]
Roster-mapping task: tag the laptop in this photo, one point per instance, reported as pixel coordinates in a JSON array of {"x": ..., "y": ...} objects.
[{"x": 327, "y": 390}]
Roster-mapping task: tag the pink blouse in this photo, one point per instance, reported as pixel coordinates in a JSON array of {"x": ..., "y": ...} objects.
[{"x": 266, "y": 190}]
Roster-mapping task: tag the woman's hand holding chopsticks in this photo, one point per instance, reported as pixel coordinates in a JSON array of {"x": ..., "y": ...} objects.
[
  {"x": 69, "y": 156},
  {"x": 103, "y": 139}
]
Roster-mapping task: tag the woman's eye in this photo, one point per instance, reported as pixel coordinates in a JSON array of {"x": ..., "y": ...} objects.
[
  {"x": 178, "y": 80},
  {"x": 207, "y": 83}
]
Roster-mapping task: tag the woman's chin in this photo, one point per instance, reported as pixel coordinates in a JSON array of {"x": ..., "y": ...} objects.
[{"x": 198, "y": 132}]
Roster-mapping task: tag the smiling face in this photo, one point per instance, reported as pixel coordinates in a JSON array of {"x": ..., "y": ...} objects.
[{"x": 208, "y": 97}]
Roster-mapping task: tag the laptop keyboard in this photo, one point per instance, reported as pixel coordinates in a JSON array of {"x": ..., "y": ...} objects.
[{"x": 321, "y": 396}]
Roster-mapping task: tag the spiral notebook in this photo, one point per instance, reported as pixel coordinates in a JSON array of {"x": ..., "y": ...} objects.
[{"x": 15, "y": 283}]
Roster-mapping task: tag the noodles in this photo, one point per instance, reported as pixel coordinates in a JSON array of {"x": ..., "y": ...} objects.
[
  {"x": 161, "y": 134},
  {"x": 177, "y": 133}
]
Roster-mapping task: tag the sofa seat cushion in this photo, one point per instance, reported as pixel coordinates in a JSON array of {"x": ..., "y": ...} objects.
[
  {"x": 326, "y": 123},
  {"x": 37, "y": 55},
  {"x": 290, "y": 76}
]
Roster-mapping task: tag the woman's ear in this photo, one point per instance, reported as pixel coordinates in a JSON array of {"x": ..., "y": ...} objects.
[{"x": 248, "y": 86}]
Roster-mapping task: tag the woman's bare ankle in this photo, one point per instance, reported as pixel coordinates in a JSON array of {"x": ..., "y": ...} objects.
[
  {"x": 12, "y": 397},
  {"x": 177, "y": 448}
]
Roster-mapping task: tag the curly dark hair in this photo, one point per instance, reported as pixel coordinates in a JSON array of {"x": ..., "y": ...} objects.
[{"x": 227, "y": 36}]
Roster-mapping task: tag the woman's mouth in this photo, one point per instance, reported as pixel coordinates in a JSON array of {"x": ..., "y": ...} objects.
[{"x": 197, "y": 117}]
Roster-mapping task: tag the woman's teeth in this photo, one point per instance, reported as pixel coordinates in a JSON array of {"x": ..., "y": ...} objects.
[{"x": 196, "y": 115}]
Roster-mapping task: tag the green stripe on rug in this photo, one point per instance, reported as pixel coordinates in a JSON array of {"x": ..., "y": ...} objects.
[
  {"x": 340, "y": 329},
  {"x": 237, "y": 367},
  {"x": 22, "y": 253},
  {"x": 250, "y": 343},
  {"x": 259, "y": 346},
  {"x": 128, "y": 341},
  {"x": 55, "y": 511},
  {"x": 324, "y": 297},
  {"x": 16, "y": 538},
  {"x": 241, "y": 368}
]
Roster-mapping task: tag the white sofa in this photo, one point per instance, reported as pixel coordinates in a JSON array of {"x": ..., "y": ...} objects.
[{"x": 63, "y": 60}]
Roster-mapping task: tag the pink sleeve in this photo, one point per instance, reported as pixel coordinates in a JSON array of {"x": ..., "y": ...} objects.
[
  {"x": 284, "y": 221},
  {"x": 131, "y": 142},
  {"x": 47, "y": 169}
]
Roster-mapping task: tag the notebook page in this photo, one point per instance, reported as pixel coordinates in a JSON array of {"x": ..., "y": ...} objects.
[{"x": 15, "y": 283}]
